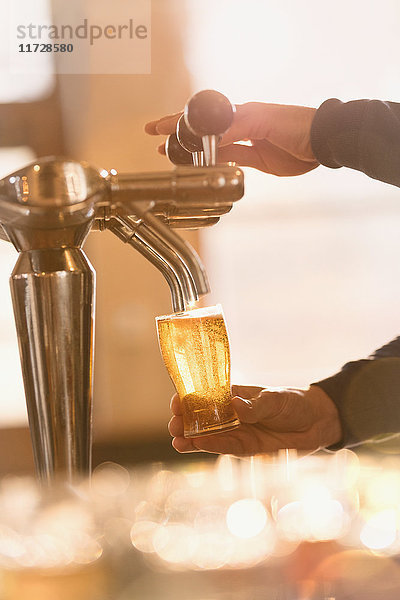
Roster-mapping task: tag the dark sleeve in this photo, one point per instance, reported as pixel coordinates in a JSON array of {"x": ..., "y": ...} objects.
[
  {"x": 367, "y": 395},
  {"x": 361, "y": 134}
]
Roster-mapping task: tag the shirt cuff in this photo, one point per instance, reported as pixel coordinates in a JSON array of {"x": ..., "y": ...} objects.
[
  {"x": 335, "y": 133},
  {"x": 367, "y": 396}
]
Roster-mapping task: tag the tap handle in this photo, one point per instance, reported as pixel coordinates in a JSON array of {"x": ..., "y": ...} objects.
[
  {"x": 209, "y": 113},
  {"x": 176, "y": 153},
  {"x": 186, "y": 138}
]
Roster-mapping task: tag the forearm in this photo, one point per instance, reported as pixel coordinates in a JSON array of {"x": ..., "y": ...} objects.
[
  {"x": 367, "y": 395},
  {"x": 361, "y": 134}
]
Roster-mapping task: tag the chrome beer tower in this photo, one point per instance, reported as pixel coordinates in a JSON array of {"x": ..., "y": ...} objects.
[{"x": 47, "y": 210}]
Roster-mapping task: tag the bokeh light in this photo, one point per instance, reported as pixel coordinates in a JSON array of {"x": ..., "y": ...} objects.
[
  {"x": 246, "y": 518},
  {"x": 380, "y": 531},
  {"x": 229, "y": 514}
]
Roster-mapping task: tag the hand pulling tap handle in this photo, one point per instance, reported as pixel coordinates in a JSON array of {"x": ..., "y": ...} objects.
[
  {"x": 176, "y": 153},
  {"x": 190, "y": 142},
  {"x": 209, "y": 114}
]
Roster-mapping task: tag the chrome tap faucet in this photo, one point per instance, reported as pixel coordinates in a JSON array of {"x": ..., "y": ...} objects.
[{"x": 47, "y": 210}]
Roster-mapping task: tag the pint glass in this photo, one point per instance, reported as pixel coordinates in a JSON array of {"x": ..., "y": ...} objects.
[{"x": 195, "y": 347}]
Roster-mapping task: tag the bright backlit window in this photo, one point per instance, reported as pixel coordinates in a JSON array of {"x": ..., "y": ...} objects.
[
  {"x": 29, "y": 86},
  {"x": 14, "y": 89},
  {"x": 12, "y": 398}
]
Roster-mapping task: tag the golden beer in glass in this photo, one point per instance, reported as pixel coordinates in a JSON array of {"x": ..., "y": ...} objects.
[{"x": 195, "y": 347}]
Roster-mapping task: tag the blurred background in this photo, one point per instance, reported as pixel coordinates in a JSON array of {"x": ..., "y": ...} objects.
[{"x": 305, "y": 268}]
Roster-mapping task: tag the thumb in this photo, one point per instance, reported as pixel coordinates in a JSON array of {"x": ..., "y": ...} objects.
[
  {"x": 245, "y": 409},
  {"x": 268, "y": 405}
]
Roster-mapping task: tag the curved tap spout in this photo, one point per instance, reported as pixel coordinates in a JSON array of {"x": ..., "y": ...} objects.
[
  {"x": 182, "y": 248},
  {"x": 183, "y": 292}
]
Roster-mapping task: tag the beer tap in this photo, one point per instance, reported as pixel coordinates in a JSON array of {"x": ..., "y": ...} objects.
[
  {"x": 193, "y": 216},
  {"x": 47, "y": 210},
  {"x": 208, "y": 114},
  {"x": 190, "y": 142}
]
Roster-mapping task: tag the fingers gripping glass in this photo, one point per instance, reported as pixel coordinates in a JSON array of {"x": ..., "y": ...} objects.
[{"x": 195, "y": 347}]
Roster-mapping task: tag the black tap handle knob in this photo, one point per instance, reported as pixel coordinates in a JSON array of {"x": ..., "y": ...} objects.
[
  {"x": 209, "y": 113},
  {"x": 176, "y": 154},
  {"x": 187, "y": 139}
]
